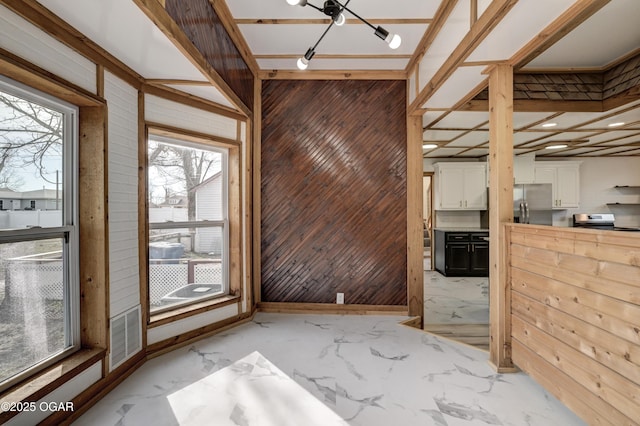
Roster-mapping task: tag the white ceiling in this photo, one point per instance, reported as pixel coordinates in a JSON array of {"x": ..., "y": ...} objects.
[
  {"x": 277, "y": 33},
  {"x": 123, "y": 30}
]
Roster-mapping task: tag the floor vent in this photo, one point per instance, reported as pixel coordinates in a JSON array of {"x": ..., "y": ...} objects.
[{"x": 125, "y": 336}]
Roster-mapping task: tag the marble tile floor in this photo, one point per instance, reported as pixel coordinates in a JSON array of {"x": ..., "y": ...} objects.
[
  {"x": 280, "y": 370},
  {"x": 455, "y": 300},
  {"x": 457, "y": 308}
]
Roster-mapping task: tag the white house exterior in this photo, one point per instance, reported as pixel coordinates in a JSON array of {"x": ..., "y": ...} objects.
[
  {"x": 39, "y": 199},
  {"x": 209, "y": 199}
]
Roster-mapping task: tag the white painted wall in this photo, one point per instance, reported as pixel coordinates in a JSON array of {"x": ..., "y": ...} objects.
[
  {"x": 23, "y": 39},
  {"x": 163, "y": 332},
  {"x": 598, "y": 176},
  {"x": 159, "y": 110},
  {"x": 124, "y": 285}
]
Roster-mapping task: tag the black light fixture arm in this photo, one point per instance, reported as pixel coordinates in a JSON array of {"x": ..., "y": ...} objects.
[
  {"x": 335, "y": 9},
  {"x": 344, "y": 6}
]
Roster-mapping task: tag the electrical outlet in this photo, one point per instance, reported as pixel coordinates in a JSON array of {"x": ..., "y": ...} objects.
[{"x": 340, "y": 298}]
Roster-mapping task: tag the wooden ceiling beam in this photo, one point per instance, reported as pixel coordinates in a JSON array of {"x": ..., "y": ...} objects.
[
  {"x": 492, "y": 16},
  {"x": 334, "y": 56},
  {"x": 439, "y": 19},
  {"x": 332, "y": 75},
  {"x": 159, "y": 16},
  {"x": 325, "y": 21},
  {"x": 579, "y": 12},
  {"x": 536, "y": 105}
]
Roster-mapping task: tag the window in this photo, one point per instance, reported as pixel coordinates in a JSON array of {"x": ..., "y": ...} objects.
[
  {"x": 188, "y": 222},
  {"x": 39, "y": 291}
]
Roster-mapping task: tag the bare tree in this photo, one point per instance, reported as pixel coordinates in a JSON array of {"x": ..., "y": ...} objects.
[
  {"x": 29, "y": 134},
  {"x": 182, "y": 167}
]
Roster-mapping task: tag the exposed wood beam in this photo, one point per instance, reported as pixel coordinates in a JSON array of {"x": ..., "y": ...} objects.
[
  {"x": 158, "y": 81},
  {"x": 335, "y": 56},
  {"x": 415, "y": 215},
  {"x": 439, "y": 19},
  {"x": 539, "y": 106},
  {"x": 579, "y": 12},
  {"x": 42, "y": 18},
  {"x": 497, "y": 10},
  {"x": 474, "y": 12},
  {"x": 332, "y": 75},
  {"x": 191, "y": 100},
  {"x": 324, "y": 21},
  {"x": 501, "y": 201},
  {"x": 223, "y": 12},
  {"x": 23, "y": 71},
  {"x": 168, "y": 26}
]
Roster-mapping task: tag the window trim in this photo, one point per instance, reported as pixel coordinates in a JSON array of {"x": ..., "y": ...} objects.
[
  {"x": 69, "y": 230},
  {"x": 233, "y": 216}
]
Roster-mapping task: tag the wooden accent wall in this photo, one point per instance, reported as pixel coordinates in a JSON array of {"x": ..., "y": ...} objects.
[
  {"x": 576, "y": 317},
  {"x": 202, "y": 25},
  {"x": 334, "y": 192}
]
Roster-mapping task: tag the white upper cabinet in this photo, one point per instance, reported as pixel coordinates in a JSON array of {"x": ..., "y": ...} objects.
[
  {"x": 564, "y": 176},
  {"x": 460, "y": 186}
]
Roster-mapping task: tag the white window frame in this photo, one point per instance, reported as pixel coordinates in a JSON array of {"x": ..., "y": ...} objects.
[
  {"x": 69, "y": 229},
  {"x": 224, "y": 223}
]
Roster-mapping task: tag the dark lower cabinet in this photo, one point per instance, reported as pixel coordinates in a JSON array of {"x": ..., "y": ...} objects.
[{"x": 461, "y": 254}]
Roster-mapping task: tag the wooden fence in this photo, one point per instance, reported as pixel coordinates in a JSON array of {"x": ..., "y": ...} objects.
[{"x": 575, "y": 322}]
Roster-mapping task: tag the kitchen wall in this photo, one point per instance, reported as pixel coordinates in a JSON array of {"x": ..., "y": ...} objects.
[{"x": 598, "y": 177}]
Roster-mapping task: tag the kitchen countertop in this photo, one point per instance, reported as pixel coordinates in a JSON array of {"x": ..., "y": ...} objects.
[{"x": 461, "y": 229}]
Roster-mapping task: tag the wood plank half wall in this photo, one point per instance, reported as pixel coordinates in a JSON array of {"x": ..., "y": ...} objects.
[
  {"x": 202, "y": 25},
  {"x": 575, "y": 309},
  {"x": 334, "y": 188}
]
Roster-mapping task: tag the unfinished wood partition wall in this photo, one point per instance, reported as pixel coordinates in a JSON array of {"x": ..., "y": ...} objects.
[
  {"x": 334, "y": 192},
  {"x": 576, "y": 317}
]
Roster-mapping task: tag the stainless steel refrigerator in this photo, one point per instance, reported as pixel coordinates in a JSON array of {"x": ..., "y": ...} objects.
[{"x": 532, "y": 203}]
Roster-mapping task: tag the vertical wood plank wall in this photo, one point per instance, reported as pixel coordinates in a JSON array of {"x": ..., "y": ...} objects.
[
  {"x": 576, "y": 317},
  {"x": 333, "y": 192}
]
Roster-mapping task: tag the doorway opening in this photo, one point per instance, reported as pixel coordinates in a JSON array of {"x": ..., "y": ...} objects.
[{"x": 427, "y": 214}]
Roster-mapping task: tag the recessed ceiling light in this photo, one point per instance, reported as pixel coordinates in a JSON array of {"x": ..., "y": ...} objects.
[
  {"x": 429, "y": 146},
  {"x": 549, "y": 124},
  {"x": 559, "y": 146},
  {"x": 621, "y": 123}
]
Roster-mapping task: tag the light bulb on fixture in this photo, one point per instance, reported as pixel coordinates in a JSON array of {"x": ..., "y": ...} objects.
[
  {"x": 303, "y": 62},
  {"x": 335, "y": 10},
  {"x": 429, "y": 146},
  {"x": 393, "y": 40},
  {"x": 558, "y": 146}
]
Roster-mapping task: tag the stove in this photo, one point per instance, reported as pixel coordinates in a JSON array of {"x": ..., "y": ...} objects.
[{"x": 599, "y": 221}]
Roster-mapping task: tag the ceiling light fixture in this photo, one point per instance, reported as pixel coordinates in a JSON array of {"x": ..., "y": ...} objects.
[
  {"x": 558, "y": 146},
  {"x": 429, "y": 146},
  {"x": 621, "y": 123},
  {"x": 335, "y": 10},
  {"x": 549, "y": 124}
]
